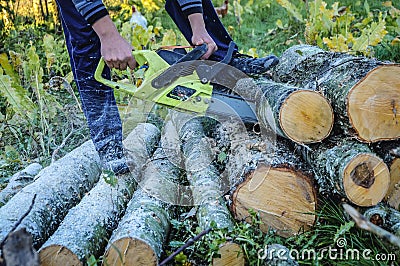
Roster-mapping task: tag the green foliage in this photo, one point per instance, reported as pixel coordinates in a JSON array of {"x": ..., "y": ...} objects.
[
  {"x": 92, "y": 261},
  {"x": 340, "y": 29},
  {"x": 332, "y": 229},
  {"x": 17, "y": 97},
  {"x": 248, "y": 235},
  {"x": 344, "y": 228},
  {"x": 34, "y": 118},
  {"x": 222, "y": 157},
  {"x": 291, "y": 8},
  {"x": 57, "y": 60},
  {"x": 9, "y": 161},
  {"x": 109, "y": 177}
]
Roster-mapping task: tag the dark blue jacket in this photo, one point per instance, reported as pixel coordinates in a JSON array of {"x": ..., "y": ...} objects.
[{"x": 92, "y": 10}]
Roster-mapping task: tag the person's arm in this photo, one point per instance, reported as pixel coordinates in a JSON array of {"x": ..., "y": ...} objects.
[
  {"x": 116, "y": 51},
  {"x": 193, "y": 9},
  {"x": 200, "y": 34}
]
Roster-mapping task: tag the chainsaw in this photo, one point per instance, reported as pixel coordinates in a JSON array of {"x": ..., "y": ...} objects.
[{"x": 178, "y": 79}]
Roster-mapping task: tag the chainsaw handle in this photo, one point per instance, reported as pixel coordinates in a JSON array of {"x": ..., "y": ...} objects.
[
  {"x": 112, "y": 84},
  {"x": 155, "y": 62},
  {"x": 156, "y": 65}
]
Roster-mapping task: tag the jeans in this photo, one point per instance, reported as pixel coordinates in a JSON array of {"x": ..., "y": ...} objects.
[{"x": 98, "y": 100}]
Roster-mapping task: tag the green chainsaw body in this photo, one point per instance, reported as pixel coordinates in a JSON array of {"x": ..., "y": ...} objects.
[{"x": 200, "y": 94}]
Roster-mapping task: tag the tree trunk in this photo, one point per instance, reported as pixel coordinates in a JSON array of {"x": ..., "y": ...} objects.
[
  {"x": 393, "y": 194},
  {"x": 58, "y": 188},
  {"x": 385, "y": 217},
  {"x": 205, "y": 183},
  {"x": 143, "y": 230},
  {"x": 19, "y": 181},
  {"x": 18, "y": 250},
  {"x": 203, "y": 177},
  {"x": 390, "y": 153},
  {"x": 81, "y": 235},
  {"x": 46, "y": 8},
  {"x": 303, "y": 116},
  {"x": 266, "y": 177},
  {"x": 349, "y": 169},
  {"x": 231, "y": 254},
  {"x": 365, "y": 93}
]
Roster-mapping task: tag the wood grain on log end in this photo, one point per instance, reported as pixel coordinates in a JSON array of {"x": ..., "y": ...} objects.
[
  {"x": 56, "y": 255},
  {"x": 284, "y": 198},
  {"x": 366, "y": 179},
  {"x": 393, "y": 194},
  {"x": 306, "y": 116},
  {"x": 374, "y": 104},
  {"x": 130, "y": 251},
  {"x": 231, "y": 255}
]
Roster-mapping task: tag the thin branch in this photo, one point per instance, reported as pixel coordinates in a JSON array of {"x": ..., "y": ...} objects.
[
  {"x": 363, "y": 223},
  {"x": 53, "y": 156},
  {"x": 56, "y": 80},
  {"x": 186, "y": 245}
]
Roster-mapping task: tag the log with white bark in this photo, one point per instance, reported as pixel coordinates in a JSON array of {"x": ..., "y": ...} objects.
[
  {"x": 349, "y": 169},
  {"x": 390, "y": 153},
  {"x": 301, "y": 115},
  {"x": 87, "y": 226},
  {"x": 201, "y": 174},
  {"x": 205, "y": 183},
  {"x": 143, "y": 230},
  {"x": 265, "y": 176},
  {"x": 393, "y": 195},
  {"x": 58, "y": 188},
  {"x": 364, "y": 92},
  {"x": 385, "y": 217},
  {"x": 18, "y": 181}
]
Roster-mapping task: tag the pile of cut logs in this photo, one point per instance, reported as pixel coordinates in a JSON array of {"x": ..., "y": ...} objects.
[{"x": 337, "y": 132}]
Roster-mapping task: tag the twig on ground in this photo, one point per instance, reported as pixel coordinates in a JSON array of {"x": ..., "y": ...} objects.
[
  {"x": 187, "y": 244},
  {"x": 55, "y": 152},
  {"x": 363, "y": 223}
]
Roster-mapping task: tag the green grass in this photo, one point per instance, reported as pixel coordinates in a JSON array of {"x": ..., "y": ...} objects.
[
  {"x": 332, "y": 227},
  {"x": 258, "y": 27}
]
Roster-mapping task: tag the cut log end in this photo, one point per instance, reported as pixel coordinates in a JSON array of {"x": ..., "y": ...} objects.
[
  {"x": 374, "y": 104},
  {"x": 366, "y": 180},
  {"x": 56, "y": 255},
  {"x": 306, "y": 117},
  {"x": 231, "y": 255},
  {"x": 284, "y": 198},
  {"x": 129, "y": 251},
  {"x": 393, "y": 194}
]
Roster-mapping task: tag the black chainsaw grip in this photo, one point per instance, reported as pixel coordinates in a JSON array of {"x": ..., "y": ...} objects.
[{"x": 195, "y": 54}]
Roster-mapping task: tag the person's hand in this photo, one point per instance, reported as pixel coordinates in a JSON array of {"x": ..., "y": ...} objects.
[
  {"x": 116, "y": 51},
  {"x": 200, "y": 34},
  {"x": 203, "y": 37}
]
